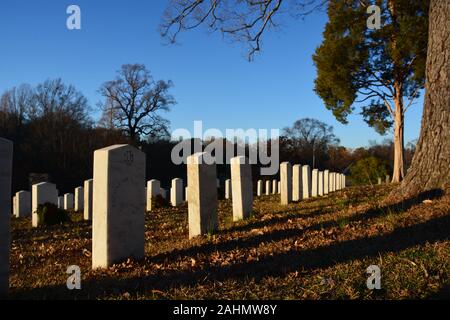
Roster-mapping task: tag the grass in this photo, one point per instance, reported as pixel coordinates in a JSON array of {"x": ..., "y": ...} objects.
[{"x": 314, "y": 249}]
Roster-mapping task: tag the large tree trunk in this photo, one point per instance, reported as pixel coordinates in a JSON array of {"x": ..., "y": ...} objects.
[{"x": 430, "y": 168}]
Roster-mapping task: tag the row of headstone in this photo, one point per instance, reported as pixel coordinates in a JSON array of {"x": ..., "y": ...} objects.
[
  {"x": 271, "y": 187},
  {"x": 118, "y": 201},
  {"x": 154, "y": 190},
  {"x": 299, "y": 182},
  {"x": 388, "y": 179},
  {"x": 26, "y": 203}
]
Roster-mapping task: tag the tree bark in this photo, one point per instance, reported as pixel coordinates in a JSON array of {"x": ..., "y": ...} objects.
[
  {"x": 399, "y": 160},
  {"x": 430, "y": 168}
]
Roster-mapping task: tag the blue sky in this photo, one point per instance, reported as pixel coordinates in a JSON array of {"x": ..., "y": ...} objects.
[{"x": 213, "y": 80}]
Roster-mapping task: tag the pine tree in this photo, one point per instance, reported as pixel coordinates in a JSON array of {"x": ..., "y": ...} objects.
[{"x": 380, "y": 71}]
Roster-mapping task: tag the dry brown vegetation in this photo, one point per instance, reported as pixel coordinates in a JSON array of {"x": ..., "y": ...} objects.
[{"x": 315, "y": 249}]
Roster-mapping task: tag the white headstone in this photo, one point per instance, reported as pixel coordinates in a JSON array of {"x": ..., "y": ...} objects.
[
  {"x": 14, "y": 207},
  {"x": 176, "y": 192},
  {"x": 259, "y": 188},
  {"x": 68, "y": 201},
  {"x": 320, "y": 183},
  {"x": 274, "y": 186},
  {"x": 315, "y": 183},
  {"x": 297, "y": 182},
  {"x": 118, "y": 214},
  {"x": 336, "y": 181},
  {"x": 326, "y": 182},
  {"x": 286, "y": 183},
  {"x": 268, "y": 187},
  {"x": 88, "y": 194},
  {"x": 153, "y": 190},
  {"x": 228, "y": 189},
  {"x": 42, "y": 193},
  {"x": 242, "y": 188},
  {"x": 163, "y": 193},
  {"x": 61, "y": 202},
  {"x": 6, "y": 159},
  {"x": 306, "y": 178},
  {"x": 202, "y": 196},
  {"x": 332, "y": 178},
  {"x": 79, "y": 199},
  {"x": 23, "y": 204}
]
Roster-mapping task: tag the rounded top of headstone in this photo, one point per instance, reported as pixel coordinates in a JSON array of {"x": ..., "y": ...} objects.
[
  {"x": 238, "y": 160},
  {"x": 43, "y": 183},
  {"x": 196, "y": 158}
]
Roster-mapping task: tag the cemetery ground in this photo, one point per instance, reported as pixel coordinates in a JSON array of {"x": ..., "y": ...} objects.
[{"x": 314, "y": 249}]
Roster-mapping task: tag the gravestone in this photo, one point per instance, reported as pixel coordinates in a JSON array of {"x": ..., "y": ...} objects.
[
  {"x": 274, "y": 186},
  {"x": 379, "y": 180},
  {"x": 23, "y": 204},
  {"x": 336, "y": 181},
  {"x": 41, "y": 193},
  {"x": 228, "y": 189},
  {"x": 241, "y": 187},
  {"x": 153, "y": 190},
  {"x": 79, "y": 199},
  {"x": 388, "y": 179},
  {"x": 61, "y": 202},
  {"x": 268, "y": 187},
  {"x": 279, "y": 187},
  {"x": 88, "y": 194},
  {"x": 202, "y": 196},
  {"x": 344, "y": 181},
  {"x": 259, "y": 188},
  {"x": 68, "y": 201},
  {"x": 6, "y": 159},
  {"x": 163, "y": 193},
  {"x": 118, "y": 205},
  {"x": 286, "y": 183},
  {"x": 339, "y": 179},
  {"x": 176, "y": 192},
  {"x": 306, "y": 181},
  {"x": 14, "y": 207},
  {"x": 315, "y": 183},
  {"x": 332, "y": 176},
  {"x": 320, "y": 183},
  {"x": 297, "y": 182},
  {"x": 326, "y": 182}
]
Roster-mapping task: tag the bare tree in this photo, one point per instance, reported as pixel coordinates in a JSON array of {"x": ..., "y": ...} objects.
[
  {"x": 310, "y": 137},
  {"x": 55, "y": 98},
  {"x": 14, "y": 103},
  {"x": 243, "y": 21},
  {"x": 134, "y": 100}
]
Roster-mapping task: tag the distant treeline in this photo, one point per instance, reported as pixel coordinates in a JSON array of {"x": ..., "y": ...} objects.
[{"x": 54, "y": 134}]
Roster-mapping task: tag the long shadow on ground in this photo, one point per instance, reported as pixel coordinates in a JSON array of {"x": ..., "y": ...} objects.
[{"x": 436, "y": 229}]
